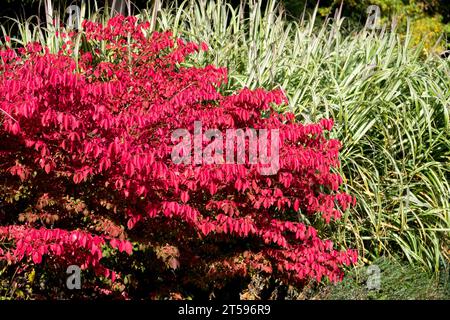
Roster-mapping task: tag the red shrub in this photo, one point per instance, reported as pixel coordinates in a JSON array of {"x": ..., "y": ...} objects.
[{"x": 85, "y": 150}]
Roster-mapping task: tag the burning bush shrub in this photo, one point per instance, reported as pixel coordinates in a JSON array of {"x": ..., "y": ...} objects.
[{"x": 88, "y": 177}]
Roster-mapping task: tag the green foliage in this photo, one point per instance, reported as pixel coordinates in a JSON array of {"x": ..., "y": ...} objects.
[
  {"x": 397, "y": 282},
  {"x": 428, "y": 19}
]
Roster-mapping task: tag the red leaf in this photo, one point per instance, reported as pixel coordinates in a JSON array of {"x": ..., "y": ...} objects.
[
  {"x": 37, "y": 258},
  {"x": 184, "y": 196},
  {"x": 296, "y": 205},
  {"x": 47, "y": 168}
]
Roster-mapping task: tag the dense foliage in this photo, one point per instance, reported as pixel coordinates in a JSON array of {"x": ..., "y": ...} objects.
[
  {"x": 429, "y": 19},
  {"x": 390, "y": 106},
  {"x": 87, "y": 176}
]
